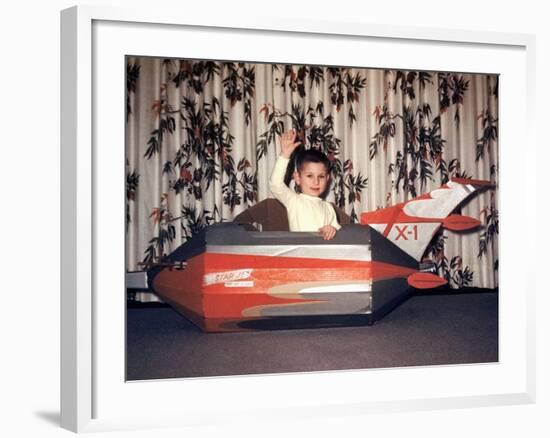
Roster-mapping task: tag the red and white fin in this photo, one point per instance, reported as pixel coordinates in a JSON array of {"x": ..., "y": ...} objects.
[{"x": 411, "y": 225}]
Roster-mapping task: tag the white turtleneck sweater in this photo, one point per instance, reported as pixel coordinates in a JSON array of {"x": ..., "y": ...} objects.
[{"x": 305, "y": 212}]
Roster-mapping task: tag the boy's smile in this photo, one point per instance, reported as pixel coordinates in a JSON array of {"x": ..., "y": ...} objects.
[{"x": 312, "y": 179}]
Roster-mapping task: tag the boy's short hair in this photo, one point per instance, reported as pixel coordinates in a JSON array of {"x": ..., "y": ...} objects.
[
  {"x": 310, "y": 156},
  {"x": 300, "y": 156}
]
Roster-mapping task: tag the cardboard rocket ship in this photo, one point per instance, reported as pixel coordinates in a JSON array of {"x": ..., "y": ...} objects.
[{"x": 227, "y": 278}]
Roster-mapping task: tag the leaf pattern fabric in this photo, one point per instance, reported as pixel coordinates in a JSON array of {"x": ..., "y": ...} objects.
[{"x": 200, "y": 147}]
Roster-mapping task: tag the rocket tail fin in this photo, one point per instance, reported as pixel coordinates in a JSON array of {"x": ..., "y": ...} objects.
[{"x": 411, "y": 225}]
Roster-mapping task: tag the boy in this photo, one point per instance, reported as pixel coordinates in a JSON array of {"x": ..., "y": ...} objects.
[{"x": 307, "y": 211}]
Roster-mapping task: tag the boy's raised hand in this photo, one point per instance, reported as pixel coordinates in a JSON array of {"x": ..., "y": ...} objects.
[{"x": 288, "y": 143}]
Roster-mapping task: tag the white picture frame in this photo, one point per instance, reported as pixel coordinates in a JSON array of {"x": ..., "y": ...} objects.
[{"x": 94, "y": 395}]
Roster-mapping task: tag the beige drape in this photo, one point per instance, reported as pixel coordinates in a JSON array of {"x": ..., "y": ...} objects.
[{"x": 200, "y": 147}]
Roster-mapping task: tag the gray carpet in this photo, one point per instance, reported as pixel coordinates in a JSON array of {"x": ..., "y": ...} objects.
[{"x": 430, "y": 329}]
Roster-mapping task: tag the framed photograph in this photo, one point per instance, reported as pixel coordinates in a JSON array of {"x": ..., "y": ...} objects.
[{"x": 101, "y": 46}]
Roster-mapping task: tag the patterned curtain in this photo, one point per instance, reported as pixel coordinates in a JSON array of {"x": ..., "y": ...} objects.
[{"x": 200, "y": 145}]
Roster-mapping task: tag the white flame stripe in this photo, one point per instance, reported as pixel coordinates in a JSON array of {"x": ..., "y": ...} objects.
[
  {"x": 440, "y": 203},
  {"x": 337, "y": 288},
  {"x": 332, "y": 252}
]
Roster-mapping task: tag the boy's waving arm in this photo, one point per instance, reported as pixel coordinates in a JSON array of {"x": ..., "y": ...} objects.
[{"x": 277, "y": 185}]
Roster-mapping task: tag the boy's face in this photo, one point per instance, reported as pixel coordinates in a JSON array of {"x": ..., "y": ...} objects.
[{"x": 312, "y": 178}]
